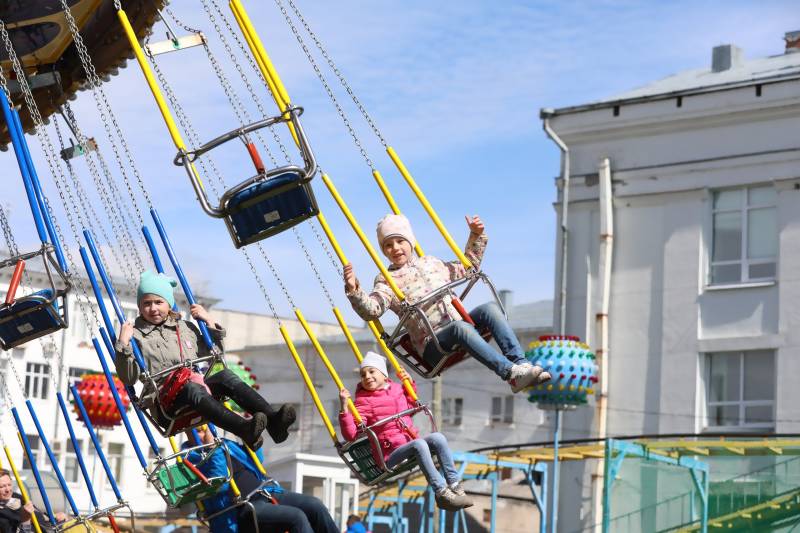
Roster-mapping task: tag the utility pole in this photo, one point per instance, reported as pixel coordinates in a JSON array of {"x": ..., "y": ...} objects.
[{"x": 437, "y": 417}]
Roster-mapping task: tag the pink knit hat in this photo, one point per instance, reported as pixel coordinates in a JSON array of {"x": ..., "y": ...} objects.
[{"x": 395, "y": 226}]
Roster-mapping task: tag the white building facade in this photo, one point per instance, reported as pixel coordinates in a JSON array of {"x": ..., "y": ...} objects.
[{"x": 703, "y": 289}]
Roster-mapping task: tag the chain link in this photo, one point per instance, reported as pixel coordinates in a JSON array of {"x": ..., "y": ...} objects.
[
  {"x": 9, "y": 236},
  {"x": 47, "y": 146},
  {"x": 194, "y": 139},
  {"x": 82, "y": 207},
  {"x": 338, "y": 73},
  {"x": 105, "y": 110},
  {"x": 276, "y": 137},
  {"x": 325, "y": 84}
]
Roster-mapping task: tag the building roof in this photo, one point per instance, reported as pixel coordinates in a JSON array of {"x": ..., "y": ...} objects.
[{"x": 743, "y": 72}]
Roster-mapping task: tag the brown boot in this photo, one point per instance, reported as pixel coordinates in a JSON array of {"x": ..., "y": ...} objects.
[{"x": 278, "y": 422}]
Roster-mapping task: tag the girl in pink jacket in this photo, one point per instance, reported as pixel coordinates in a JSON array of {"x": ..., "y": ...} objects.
[
  {"x": 378, "y": 397},
  {"x": 419, "y": 276}
]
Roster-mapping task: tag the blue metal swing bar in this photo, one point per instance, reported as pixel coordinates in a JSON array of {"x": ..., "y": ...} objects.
[{"x": 44, "y": 311}]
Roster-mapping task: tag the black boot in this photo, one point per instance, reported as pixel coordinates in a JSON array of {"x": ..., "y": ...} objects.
[
  {"x": 248, "y": 430},
  {"x": 278, "y": 422}
]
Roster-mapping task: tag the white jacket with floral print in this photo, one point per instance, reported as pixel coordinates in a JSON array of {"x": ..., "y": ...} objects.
[{"x": 418, "y": 278}]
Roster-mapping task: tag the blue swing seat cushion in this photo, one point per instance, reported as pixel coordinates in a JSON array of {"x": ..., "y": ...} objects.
[
  {"x": 250, "y": 216},
  {"x": 26, "y": 325}
]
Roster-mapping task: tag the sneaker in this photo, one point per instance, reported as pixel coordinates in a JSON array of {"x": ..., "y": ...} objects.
[
  {"x": 522, "y": 377},
  {"x": 458, "y": 490},
  {"x": 447, "y": 500},
  {"x": 543, "y": 377},
  {"x": 257, "y": 426},
  {"x": 278, "y": 423}
]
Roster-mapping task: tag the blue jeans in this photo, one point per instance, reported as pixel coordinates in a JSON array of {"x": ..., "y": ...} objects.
[
  {"x": 423, "y": 449},
  {"x": 295, "y": 513},
  {"x": 468, "y": 337}
]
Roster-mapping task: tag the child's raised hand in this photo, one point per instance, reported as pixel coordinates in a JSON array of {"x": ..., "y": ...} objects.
[
  {"x": 199, "y": 313},
  {"x": 344, "y": 395},
  {"x": 402, "y": 374},
  {"x": 125, "y": 332},
  {"x": 350, "y": 280},
  {"x": 475, "y": 224}
]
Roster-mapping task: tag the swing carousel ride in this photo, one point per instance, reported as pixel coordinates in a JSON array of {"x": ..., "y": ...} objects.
[{"x": 50, "y": 50}]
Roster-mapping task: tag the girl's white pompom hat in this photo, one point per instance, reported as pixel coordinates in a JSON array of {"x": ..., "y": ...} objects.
[
  {"x": 395, "y": 226},
  {"x": 375, "y": 361}
]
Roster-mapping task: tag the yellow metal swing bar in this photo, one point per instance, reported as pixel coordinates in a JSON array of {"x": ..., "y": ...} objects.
[
  {"x": 281, "y": 97},
  {"x": 22, "y": 490}
]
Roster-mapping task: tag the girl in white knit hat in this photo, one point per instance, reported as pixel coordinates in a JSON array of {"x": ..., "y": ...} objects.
[
  {"x": 418, "y": 277},
  {"x": 378, "y": 398}
]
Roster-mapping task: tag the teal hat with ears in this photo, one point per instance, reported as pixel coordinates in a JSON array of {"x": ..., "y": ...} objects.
[{"x": 159, "y": 284}]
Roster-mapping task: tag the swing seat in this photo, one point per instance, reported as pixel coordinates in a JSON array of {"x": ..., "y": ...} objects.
[
  {"x": 180, "y": 486},
  {"x": 404, "y": 349},
  {"x": 359, "y": 457},
  {"x": 269, "y": 207},
  {"x": 184, "y": 419},
  {"x": 29, "y": 318},
  {"x": 267, "y": 203}
]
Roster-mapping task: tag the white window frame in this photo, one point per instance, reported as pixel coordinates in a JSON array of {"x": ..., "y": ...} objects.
[
  {"x": 116, "y": 461},
  {"x": 742, "y": 403},
  {"x": 37, "y": 378},
  {"x": 506, "y": 414},
  {"x": 74, "y": 373},
  {"x": 744, "y": 262},
  {"x": 453, "y": 411}
]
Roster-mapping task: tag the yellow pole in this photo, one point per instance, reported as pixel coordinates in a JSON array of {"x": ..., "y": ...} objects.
[
  {"x": 428, "y": 207},
  {"x": 22, "y": 490},
  {"x": 392, "y": 204},
  {"x": 363, "y": 238},
  {"x": 331, "y": 238},
  {"x": 324, "y": 357},
  {"x": 273, "y": 89},
  {"x": 309, "y": 384},
  {"x": 276, "y": 87},
  {"x": 151, "y": 81},
  {"x": 346, "y": 330},
  {"x": 254, "y": 458}
]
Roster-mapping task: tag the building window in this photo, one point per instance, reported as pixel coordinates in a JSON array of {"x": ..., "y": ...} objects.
[
  {"x": 744, "y": 235},
  {"x": 115, "y": 456},
  {"x": 71, "y": 467},
  {"x": 37, "y": 380},
  {"x": 451, "y": 411},
  {"x": 74, "y": 374},
  {"x": 502, "y": 409},
  {"x": 33, "y": 440},
  {"x": 741, "y": 389}
]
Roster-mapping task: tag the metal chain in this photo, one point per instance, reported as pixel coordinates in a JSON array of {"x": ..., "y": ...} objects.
[
  {"x": 325, "y": 84},
  {"x": 337, "y": 72},
  {"x": 9, "y": 236},
  {"x": 33, "y": 109},
  {"x": 261, "y": 110},
  {"x": 244, "y": 118},
  {"x": 47, "y": 145},
  {"x": 194, "y": 139},
  {"x": 83, "y": 206},
  {"x": 106, "y": 112}
]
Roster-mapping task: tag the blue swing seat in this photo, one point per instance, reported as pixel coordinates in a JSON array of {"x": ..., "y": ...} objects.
[
  {"x": 269, "y": 207},
  {"x": 28, "y": 318}
]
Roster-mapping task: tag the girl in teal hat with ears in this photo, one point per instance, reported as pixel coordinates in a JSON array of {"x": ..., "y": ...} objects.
[{"x": 166, "y": 340}]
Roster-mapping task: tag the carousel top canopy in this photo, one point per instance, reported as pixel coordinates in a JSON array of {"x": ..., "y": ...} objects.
[{"x": 42, "y": 40}]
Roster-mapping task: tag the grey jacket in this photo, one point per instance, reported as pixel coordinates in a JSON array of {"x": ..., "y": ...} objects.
[{"x": 159, "y": 346}]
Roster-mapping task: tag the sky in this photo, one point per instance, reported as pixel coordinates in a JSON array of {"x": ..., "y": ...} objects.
[{"x": 455, "y": 88}]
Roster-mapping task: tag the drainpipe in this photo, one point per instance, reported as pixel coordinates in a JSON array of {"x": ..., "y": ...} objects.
[
  {"x": 545, "y": 115},
  {"x": 601, "y": 318}
]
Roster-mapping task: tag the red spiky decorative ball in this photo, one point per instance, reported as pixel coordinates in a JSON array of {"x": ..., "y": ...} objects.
[{"x": 99, "y": 401}]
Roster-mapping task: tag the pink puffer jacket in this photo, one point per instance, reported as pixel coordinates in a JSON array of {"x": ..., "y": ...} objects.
[{"x": 377, "y": 405}]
